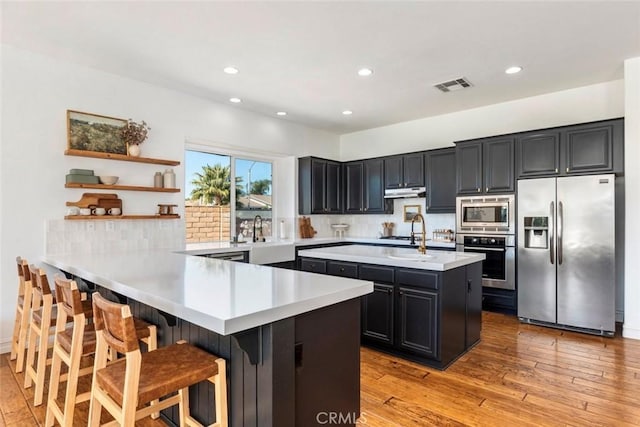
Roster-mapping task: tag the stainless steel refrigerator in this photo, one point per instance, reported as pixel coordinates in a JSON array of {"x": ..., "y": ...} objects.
[{"x": 566, "y": 252}]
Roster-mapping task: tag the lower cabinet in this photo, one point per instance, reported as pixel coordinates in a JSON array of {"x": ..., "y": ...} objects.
[
  {"x": 418, "y": 321},
  {"x": 431, "y": 317}
]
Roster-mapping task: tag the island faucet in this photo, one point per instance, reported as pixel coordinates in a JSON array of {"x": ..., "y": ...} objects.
[
  {"x": 422, "y": 248},
  {"x": 255, "y": 237}
]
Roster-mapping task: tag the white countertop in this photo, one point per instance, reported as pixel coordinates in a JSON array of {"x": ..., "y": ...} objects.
[
  {"x": 395, "y": 257},
  {"x": 222, "y": 296},
  {"x": 279, "y": 245}
]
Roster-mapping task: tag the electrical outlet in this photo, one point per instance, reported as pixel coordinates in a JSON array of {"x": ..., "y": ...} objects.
[
  {"x": 110, "y": 226},
  {"x": 90, "y": 226}
]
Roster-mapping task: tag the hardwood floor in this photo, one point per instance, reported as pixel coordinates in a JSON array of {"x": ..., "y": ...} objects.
[{"x": 519, "y": 375}]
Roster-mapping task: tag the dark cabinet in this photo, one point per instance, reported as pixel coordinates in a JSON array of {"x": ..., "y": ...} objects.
[
  {"x": 579, "y": 149},
  {"x": 594, "y": 147},
  {"x": 313, "y": 265},
  {"x": 485, "y": 166},
  {"x": 378, "y": 308},
  {"x": 418, "y": 321},
  {"x": 377, "y": 314},
  {"x": 319, "y": 186},
  {"x": 440, "y": 180},
  {"x": 404, "y": 171},
  {"x": 469, "y": 168},
  {"x": 364, "y": 191},
  {"x": 353, "y": 175},
  {"x": 374, "y": 201},
  {"x": 474, "y": 304},
  {"x": 538, "y": 154}
]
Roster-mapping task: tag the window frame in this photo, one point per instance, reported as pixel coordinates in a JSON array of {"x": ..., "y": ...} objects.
[{"x": 234, "y": 154}]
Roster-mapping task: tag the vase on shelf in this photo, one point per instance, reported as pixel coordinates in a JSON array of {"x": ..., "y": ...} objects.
[{"x": 134, "y": 150}]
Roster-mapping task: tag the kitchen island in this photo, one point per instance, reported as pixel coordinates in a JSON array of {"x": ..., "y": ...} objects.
[
  {"x": 424, "y": 307},
  {"x": 270, "y": 324}
]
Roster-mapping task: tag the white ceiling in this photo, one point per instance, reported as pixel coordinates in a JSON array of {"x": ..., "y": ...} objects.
[{"x": 303, "y": 57}]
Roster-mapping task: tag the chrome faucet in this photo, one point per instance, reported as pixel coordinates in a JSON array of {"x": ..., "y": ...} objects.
[
  {"x": 257, "y": 238},
  {"x": 422, "y": 248}
]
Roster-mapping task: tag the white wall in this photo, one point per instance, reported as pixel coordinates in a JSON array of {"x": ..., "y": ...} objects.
[
  {"x": 37, "y": 91},
  {"x": 583, "y": 104},
  {"x": 632, "y": 188}
]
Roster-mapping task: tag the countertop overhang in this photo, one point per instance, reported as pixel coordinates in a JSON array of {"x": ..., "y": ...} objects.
[
  {"x": 395, "y": 257},
  {"x": 222, "y": 296}
]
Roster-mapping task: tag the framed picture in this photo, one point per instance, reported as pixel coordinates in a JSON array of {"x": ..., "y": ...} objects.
[
  {"x": 93, "y": 132},
  {"x": 410, "y": 211}
]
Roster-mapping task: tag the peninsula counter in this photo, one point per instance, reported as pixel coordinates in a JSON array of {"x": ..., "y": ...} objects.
[{"x": 270, "y": 324}]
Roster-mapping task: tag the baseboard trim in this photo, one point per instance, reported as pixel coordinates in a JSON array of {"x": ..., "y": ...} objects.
[
  {"x": 5, "y": 347},
  {"x": 632, "y": 333}
]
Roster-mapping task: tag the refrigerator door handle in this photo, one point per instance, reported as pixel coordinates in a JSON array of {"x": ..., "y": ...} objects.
[
  {"x": 552, "y": 215},
  {"x": 560, "y": 225}
]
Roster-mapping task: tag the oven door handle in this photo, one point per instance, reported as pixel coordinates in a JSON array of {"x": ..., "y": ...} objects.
[{"x": 483, "y": 249}]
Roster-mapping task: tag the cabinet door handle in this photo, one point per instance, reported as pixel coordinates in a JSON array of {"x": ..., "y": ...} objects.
[
  {"x": 486, "y": 190},
  {"x": 468, "y": 286},
  {"x": 341, "y": 269},
  {"x": 567, "y": 170},
  {"x": 478, "y": 189},
  {"x": 366, "y": 209},
  {"x": 556, "y": 170},
  {"x": 400, "y": 293},
  {"x": 389, "y": 291}
]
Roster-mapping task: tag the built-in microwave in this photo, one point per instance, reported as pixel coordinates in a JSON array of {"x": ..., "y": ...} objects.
[{"x": 486, "y": 214}]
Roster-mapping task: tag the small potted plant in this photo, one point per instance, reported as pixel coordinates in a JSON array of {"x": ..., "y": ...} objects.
[{"x": 134, "y": 134}]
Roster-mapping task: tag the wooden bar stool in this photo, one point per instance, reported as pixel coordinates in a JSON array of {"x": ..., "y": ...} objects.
[
  {"x": 23, "y": 313},
  {"x": 70, "y": 345},
  {"x": 125, "y": 385},
  {"x": 43, "y": 317}
]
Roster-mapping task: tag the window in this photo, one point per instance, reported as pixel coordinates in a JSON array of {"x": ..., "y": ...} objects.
[{"x": 210, "y": 215}]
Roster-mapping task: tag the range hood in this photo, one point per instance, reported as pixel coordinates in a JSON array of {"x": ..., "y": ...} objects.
[{"x": 400, "y": 193}]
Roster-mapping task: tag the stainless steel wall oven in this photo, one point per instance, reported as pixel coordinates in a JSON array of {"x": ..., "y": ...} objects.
[{"x": 498, "y": 269}]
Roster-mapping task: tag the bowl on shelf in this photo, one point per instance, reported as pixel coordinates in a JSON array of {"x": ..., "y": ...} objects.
[{"x": 108, "y": 180}]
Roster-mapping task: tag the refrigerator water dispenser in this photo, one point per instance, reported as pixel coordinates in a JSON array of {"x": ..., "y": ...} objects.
[{"x": 536, "y": 232}]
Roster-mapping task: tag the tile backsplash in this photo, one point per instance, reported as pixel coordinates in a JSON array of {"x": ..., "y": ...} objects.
[
  {"x": 371, "y": 225},
  {"x": 97, "y": 237}
]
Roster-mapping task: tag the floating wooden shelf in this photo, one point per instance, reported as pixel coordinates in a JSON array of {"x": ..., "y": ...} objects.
[
  {"x": 117, "y": 217},
  {"x": 123, "y": 157},
  {"x": 122, "y": 187}
]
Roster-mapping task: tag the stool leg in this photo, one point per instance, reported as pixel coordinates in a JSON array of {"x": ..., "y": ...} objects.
[
  {"x": 41, "y": 364},
  {"x": 152, "y": 344},
  {"x": 100, "y": 361},
  {"x": 31, "y": 354},
  {"x": 72, "y": 379},
  {"x": 16, "y": 332},
  {"x": 220, "y": 388},
  {"x": 183, "y": 405},
  {"x": 54, "y": 383},
  {"x": 22, "y": 335}
]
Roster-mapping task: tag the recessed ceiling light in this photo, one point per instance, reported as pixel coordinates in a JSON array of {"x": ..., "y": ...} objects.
[
  {"x": 513, "y": 70},
  {"x": 281, "y": 113},
  {"x": 235, "y": 100},
  {"x": 347, "y": 112},
  {"x": 365, "y": 72},
  {"x": 230, "y": 70}
]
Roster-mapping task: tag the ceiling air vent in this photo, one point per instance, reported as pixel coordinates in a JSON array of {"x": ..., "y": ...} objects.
[{"x": 454, "y": 85}]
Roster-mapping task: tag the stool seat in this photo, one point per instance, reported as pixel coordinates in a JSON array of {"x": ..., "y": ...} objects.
[
  {"x": 188, "y": 365},
  {"x": 88, "y": 339},
  {"x": 36, "y": 316}
]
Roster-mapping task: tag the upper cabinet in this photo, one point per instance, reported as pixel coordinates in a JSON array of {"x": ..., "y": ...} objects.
[
  {"x": 485, "y": 166},
  {"x": 319, "y": 186},
  {"x": 404, "y": 171},
  {"x": 440, "y": 180},
  {"x": 364, "y": 190},
  {"x": 579, "y": 149}
]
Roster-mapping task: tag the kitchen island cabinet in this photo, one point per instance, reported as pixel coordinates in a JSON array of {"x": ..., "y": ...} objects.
[
  {"x": 269, "y": 324},
  {"x": 428, "y": 310}
]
